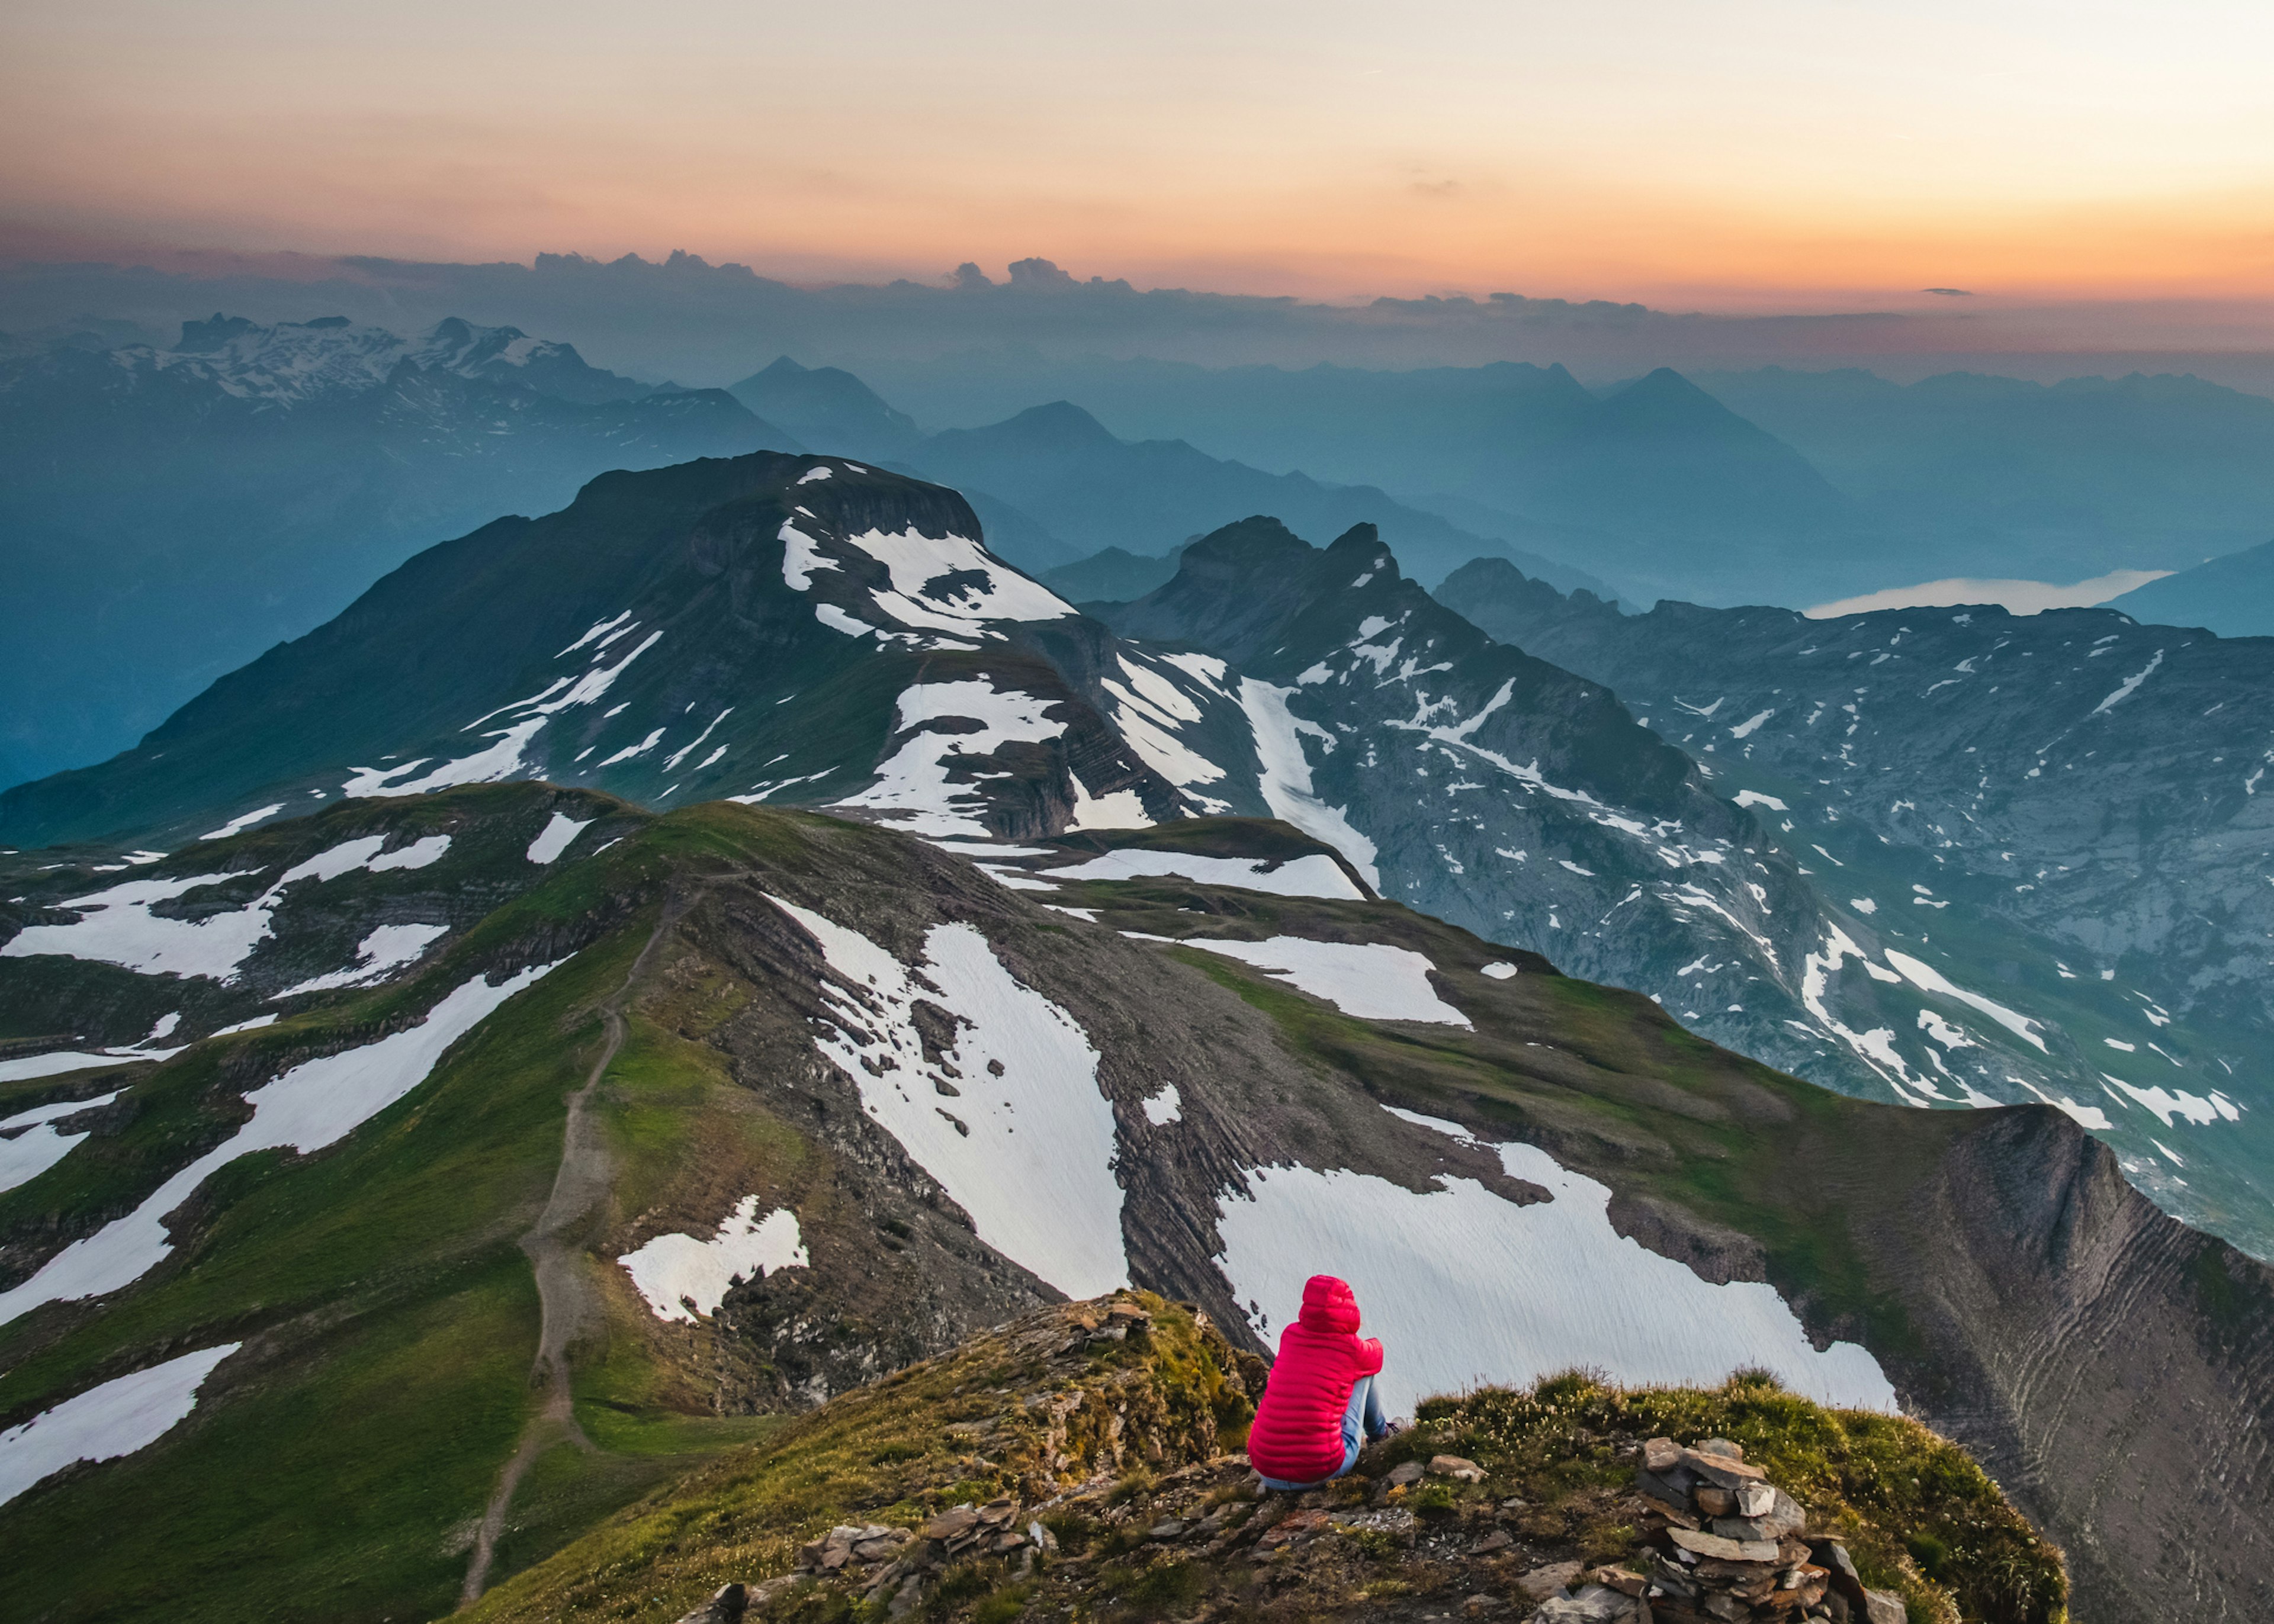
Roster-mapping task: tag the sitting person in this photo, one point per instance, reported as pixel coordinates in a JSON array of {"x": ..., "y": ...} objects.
[{"x": 1319, "y": 1407}]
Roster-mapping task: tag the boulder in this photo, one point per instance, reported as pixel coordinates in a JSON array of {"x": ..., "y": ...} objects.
[
  {"x": 1455, "y": 1466},
  {"x": 1724, "y": 1550},
  {"x": 730, "y": 1602},
  {"x": 1596, "y": 1604},
  {"x": 1720, "y": 1469},
  {"x": 1542, "y": 1582},
  {"x": 951, "y": 1524},
  {"x": 1884, "y": 1607}
]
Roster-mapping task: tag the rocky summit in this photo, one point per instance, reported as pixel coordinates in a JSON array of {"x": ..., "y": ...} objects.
[{"x": 1079, "y": 1463}]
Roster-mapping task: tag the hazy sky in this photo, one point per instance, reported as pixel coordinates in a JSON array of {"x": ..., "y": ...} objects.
[{"x": 1733, "y": 155}]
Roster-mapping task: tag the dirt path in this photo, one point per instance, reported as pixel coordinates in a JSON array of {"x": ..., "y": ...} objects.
[{"x": 564, "y": 1295}]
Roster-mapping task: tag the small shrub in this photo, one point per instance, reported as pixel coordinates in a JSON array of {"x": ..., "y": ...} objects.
[
  {"x": 1172, "y": 1588},
  {"x": 1002, "y": 1607},
  {"x": 963, "y": 1582},
  {"x": 1434, "y": 1502}
]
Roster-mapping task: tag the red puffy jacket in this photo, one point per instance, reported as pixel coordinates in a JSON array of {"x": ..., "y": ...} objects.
[{"x": 1298, "y": 1434}]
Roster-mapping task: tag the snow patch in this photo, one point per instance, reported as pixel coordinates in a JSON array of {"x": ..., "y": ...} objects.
[
  {"x": 916, "y": 782},
  {"x": 386, "y": 949},
  {"x": 2130, "y": 686},
  {"x": 2163, "y": 1104},
  {"x": 1370, "y": 980},
  {"x": 1164, "y": 1107},
  {"x": 34, "y": 1144},
  {"x": 685, "y": 1277},
  {"x": 122, "y": 1416},
  {"x": 1022, "y": 1140},
  {"x": 1927, "y": 979},
  {"x": 1316, "y": 874},
  {"x": 556, "y": 837},
  {"x": 1476, "y": 1290}
]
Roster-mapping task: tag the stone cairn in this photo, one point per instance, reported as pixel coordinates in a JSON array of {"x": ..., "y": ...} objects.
[{"x": 1724, "y": 1545}]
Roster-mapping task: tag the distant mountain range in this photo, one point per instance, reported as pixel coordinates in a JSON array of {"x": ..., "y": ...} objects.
[
  {"x": 238, "y": 485},
  {"x": 1987, "y": 475},
  {"x": 168, "y": 512},
  {"x": 2063, "y": 821},
  {"x": 1771, "y": 485},
  {"x": 2232, "y": 595},
  {"x": 1054, "y": 486}
]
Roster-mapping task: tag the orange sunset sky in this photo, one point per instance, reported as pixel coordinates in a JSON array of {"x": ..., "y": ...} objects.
[{"x": 1717, "y": 154}]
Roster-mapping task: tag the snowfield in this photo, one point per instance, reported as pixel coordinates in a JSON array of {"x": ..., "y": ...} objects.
[
  {"x": 1372, "y": 980},
  {"x": 1020, "y": 1135},
  {"x": 914, "y": 781},
  {"x": 1467, "y": 1289},
  {"x": 116, "y": 926},
  {"x": 312, "y": 1105},
  {"x": 684, "y": 1276},
  {"x": 101, "y": 1424}
]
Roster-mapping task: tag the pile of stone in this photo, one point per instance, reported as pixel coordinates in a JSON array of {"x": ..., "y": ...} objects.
[{"x": 1727, "y": 1547}]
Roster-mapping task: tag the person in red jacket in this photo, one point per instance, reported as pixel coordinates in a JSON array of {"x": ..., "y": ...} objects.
[{"x": 1319, "y": 1407}]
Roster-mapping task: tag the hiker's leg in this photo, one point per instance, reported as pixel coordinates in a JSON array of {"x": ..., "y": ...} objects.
[
  {"x": 1377, "y": 1424},
  {"x": 1362, "y": 1403}
]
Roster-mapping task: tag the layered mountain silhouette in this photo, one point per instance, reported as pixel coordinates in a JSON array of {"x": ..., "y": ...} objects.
[
  {"x": 1984, "y": 475},
  {"x": 2232, "y": 595},
  {"x": 171, "y": 513},
  {"x": 1053, "y": 485}
]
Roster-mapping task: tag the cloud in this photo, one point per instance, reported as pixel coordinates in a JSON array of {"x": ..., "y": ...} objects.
[
  {"x": 2014, "y": 597},
  {"x": 1951, "y": 293}
]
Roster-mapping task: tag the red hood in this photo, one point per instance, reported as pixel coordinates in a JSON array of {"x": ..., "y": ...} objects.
[{"x": 1328, "y": 1304}]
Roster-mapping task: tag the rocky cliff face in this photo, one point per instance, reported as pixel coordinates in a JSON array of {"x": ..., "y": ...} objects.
[
  {"x": 1503, "y": 792},
  {"x": 2062, "y": 817}
]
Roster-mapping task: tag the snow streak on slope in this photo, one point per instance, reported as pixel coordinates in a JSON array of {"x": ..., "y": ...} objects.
[
  {"x": 1151, "y": 710},
  {"x": 1469, "y": 1288},
  {"x": 54, "y": 1062},
  {"x": 1286, "y": 774},
  {"x": 1317, "y": 875},
  {"x": 682, "y": 1276},
  {"x": 101, "y": 1424},
  {"x": 386, "y": 949},
  {"x": 309, "y": 1107},
  {"x": 34, "y": 1143},
  {"x": 559, "y": 832},
  {"x": 1372, "y": 980},
  {"x": 507, "y": 756},
  {"x": 1010, "y": 1120}
]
